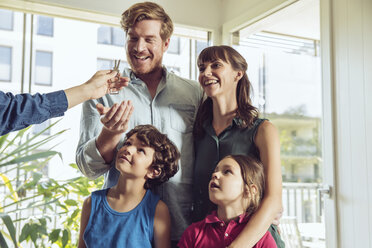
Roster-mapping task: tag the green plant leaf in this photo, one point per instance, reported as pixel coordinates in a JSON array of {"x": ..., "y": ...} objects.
[
  {"x": 25, "y": 232},
  {"x": 10, "y": 226},
  {"x": 31, "y": 157},
  {"x": 54, "y": 235},
  {"x": 75, "y": 213},
  {"x": 33, "y": 233},
  {"x": 9, "y": 186},
  {"x": 3, "y": 139},
  {"x": 64, "y": 238},
  {"x": 18, "y": 135},
  {"x": 71, "y": 202},
  {"x": 2, "y": 241}
]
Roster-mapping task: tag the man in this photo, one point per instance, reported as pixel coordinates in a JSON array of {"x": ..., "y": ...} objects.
[
  {"x": 22, "y": 110},
  {"x": 158, "y": 97}
]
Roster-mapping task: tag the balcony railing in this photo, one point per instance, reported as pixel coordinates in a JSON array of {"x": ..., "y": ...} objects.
[{"x": 301, "y": 210}]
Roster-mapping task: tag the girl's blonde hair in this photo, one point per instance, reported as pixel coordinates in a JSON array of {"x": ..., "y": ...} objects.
[{"x": 252, "y": 173}]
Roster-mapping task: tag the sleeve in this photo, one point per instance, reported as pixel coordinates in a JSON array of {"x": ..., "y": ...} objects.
[
  {"x": 21, "y": 110},
  {"x": 88, "y": 158},
  {"x": 188, "y": 237},
  {"x": 267, "y": 241}
]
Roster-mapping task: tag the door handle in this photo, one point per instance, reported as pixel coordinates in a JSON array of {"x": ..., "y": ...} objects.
[{"x": 326, "y": 191}]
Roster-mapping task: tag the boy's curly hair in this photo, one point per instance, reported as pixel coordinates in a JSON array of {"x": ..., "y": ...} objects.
[{"x": 166, "y": 154}]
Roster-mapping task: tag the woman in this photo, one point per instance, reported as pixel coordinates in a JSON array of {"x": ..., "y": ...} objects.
[{"x": 227, "y": 123}]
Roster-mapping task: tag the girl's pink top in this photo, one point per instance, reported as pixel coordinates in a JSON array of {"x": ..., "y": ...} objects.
[{"x": 214, "y": 233}]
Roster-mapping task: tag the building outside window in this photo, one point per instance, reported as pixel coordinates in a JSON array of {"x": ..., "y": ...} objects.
[
  {"x": 108, "y": 64},
  {"x": 6, "y": 19},
  {"x": 43, "y": 68},
  {"x": 174, "y": 45},
  {"x": 176, "y": 70},
  {"x": 110, "y": 36},
  {"x": 118, "y": 36},
  {"x": 37, "y": 128},
  {"x": 45, "y": 25},
  {"x": 5, "y": 63}
]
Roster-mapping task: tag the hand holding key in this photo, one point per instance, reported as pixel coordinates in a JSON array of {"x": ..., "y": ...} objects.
[{"x": 114, "y": 91}]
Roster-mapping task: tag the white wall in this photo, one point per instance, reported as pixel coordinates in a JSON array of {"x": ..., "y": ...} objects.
[{"x": 352, "y": 58}]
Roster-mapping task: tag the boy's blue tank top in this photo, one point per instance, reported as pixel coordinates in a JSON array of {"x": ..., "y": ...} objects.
[{"x": 109, "y": 228}]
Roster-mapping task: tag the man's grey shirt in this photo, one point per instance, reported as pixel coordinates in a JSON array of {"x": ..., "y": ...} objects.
[{"x": 172, "y": 111}]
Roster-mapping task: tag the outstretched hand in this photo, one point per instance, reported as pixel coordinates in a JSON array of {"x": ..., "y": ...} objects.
[
  {"x": 115, "y": 119},
  {"x": 102, "y": 81}
]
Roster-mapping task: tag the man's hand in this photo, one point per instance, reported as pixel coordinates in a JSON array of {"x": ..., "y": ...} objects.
[
  {"x": 116, "y": 118},
  {"x": 102, "y": 81}
]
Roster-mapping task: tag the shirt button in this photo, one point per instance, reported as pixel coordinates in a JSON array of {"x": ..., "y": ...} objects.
[
  {"x": 222, "y": 224},
  {"x": 226, "y": 234}
]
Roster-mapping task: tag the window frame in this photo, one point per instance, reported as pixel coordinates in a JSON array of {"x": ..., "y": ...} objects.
[{"x": 10, "y": 65}]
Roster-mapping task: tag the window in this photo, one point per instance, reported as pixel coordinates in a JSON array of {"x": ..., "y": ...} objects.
[
  {"x": 108, "y": 64},
  {"x": 43, "y": 68},
  {"x": 37, "y": 128},
  {"x": 110, "y": 36},
  {"x": 118, "y": 37},
  {"x": 104, "y": 35},
  {"x": 6, "y": 19},
  {"x": 200, "y": 45},
  {"x": 5, "y": 63},
  {"x": 176, "y": 70},
  {"x": 174, "y": 45},
  {"x": 45, "y": 25}
]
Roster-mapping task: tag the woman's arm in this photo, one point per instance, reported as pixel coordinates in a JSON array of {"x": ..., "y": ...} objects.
[
  {"x": 85, "y": 213},
  {"x": 96, "y": 87},
  {"x": 267, "y": 141},
  {"x": 162, "y": 226}
]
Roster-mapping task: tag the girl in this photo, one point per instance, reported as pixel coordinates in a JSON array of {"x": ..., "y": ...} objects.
[
  {"x": 129, "y": 214},
  {"x": 227, "y": 123},
  {"x": 236, "y": 187}
]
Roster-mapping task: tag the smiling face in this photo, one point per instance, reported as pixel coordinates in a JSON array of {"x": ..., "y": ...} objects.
[
  {"x": 226, "y": 185},
  {"x": 218, "y": 78},
  {"x": 145, "y": 47},
  {"x": 134, "y": 158}
]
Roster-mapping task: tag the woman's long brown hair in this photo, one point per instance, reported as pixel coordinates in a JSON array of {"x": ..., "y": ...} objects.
[{"x": 246, "y": 111}]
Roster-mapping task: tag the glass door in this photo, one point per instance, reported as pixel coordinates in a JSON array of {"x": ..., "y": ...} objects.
[{"x": 284, "y": 66}]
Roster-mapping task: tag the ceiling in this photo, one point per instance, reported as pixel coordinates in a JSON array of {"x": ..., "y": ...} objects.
[{"x": 301, "y": 19}]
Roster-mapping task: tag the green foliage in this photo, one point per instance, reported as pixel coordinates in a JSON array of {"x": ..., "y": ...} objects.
[{"x": 55, "y": 205}]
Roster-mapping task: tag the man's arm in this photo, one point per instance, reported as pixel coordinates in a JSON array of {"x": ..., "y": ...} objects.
[{"x": 267, "y": 141}]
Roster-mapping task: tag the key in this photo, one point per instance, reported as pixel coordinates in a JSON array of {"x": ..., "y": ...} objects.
[{"x": 114, "y": 91}]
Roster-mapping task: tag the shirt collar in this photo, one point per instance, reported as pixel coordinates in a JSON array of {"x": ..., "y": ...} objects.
[
  {"x": 207, "y": 125},
  {"x": 213, "y": 218},
  {"x": 134, "y": 79}
]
